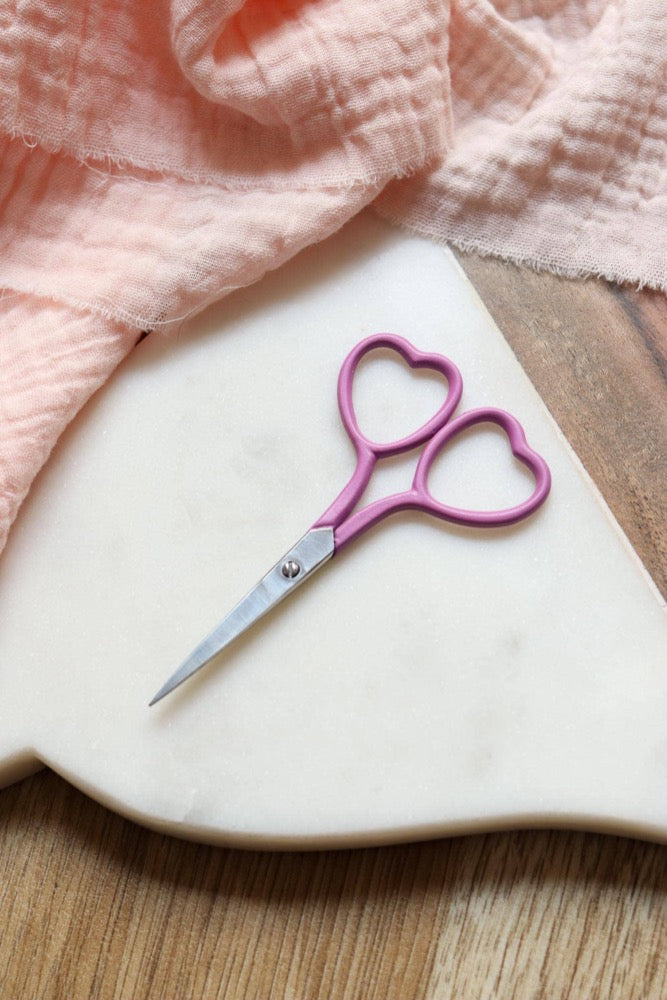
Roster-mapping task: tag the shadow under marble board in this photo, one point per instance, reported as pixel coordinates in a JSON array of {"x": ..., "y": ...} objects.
[{"x": 432, "y": 679}]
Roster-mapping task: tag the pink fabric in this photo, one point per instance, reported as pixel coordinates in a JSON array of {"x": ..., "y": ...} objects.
[
  {"x": 559, "y": 155},
  {"x": 157, "y": 155}
]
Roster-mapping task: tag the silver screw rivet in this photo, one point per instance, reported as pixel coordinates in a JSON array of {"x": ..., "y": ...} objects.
[{"x": 290, "y": 569}]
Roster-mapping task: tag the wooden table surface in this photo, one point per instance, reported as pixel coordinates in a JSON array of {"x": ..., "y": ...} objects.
[{"x": 95, "y": 907}]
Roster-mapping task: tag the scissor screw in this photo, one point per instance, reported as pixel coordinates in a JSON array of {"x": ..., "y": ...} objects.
[{"x": 290, "y": 569}]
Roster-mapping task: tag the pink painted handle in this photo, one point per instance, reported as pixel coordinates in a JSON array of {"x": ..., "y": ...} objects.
[
  {"x": 437, "y": 432},
  {"x": 418, "y": 497},
  {"x": 369, "y": 451}
]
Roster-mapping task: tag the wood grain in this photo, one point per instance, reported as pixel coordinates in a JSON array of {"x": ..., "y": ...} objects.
[
  {"x": 96, "y": 907},
  {"x": 598, "y": 356}
]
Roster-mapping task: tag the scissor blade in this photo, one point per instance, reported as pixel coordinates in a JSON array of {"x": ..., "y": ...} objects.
[{"x": 309, "y": 553}]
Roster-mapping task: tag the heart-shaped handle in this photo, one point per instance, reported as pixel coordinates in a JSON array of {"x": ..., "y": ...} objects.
[
  {"x": 415, "y": 359},
  {"x": 520, "y": 449},
  {"x": 437, "y": 432},
  {"x": 369, "y": 451}
]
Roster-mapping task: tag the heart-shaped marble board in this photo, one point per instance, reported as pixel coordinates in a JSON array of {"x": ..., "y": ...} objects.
[{"x": 431, "y": 679}]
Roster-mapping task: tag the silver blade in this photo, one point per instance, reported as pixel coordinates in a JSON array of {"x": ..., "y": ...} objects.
[{"x": 311, "y": 552}]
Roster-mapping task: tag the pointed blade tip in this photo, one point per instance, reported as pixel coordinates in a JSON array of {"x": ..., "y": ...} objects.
[
  {"x": 185, "y": 671},
  {"x": 158, "y": 697},
  {"x": 166, "y": 689}
]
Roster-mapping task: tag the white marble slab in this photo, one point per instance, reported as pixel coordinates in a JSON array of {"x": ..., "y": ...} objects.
[{"x": 430, "y": 680}]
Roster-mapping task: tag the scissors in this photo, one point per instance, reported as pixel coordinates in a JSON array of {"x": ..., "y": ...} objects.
[{"x": 340, "y": 524}]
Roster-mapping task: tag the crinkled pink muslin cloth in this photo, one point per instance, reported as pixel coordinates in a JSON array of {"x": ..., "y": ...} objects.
[{"x": 156, "y": 155}]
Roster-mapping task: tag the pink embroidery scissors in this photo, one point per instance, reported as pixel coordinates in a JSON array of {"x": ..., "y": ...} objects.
[{"x": 339, "y": 525}]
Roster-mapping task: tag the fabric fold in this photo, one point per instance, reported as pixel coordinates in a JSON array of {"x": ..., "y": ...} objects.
[
  {"x": 51, "y": 359},
  {"x": 154, "y": 157},
  {"x": 559, "y": 157}
]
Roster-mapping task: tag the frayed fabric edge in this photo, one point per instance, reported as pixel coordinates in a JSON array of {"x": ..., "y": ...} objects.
[
  {"x": 166, "y": 324},
  {"x": 142, "y": 324},
  {"x": 540, "y": 265},
  {"x": 115, "y": 167}
]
